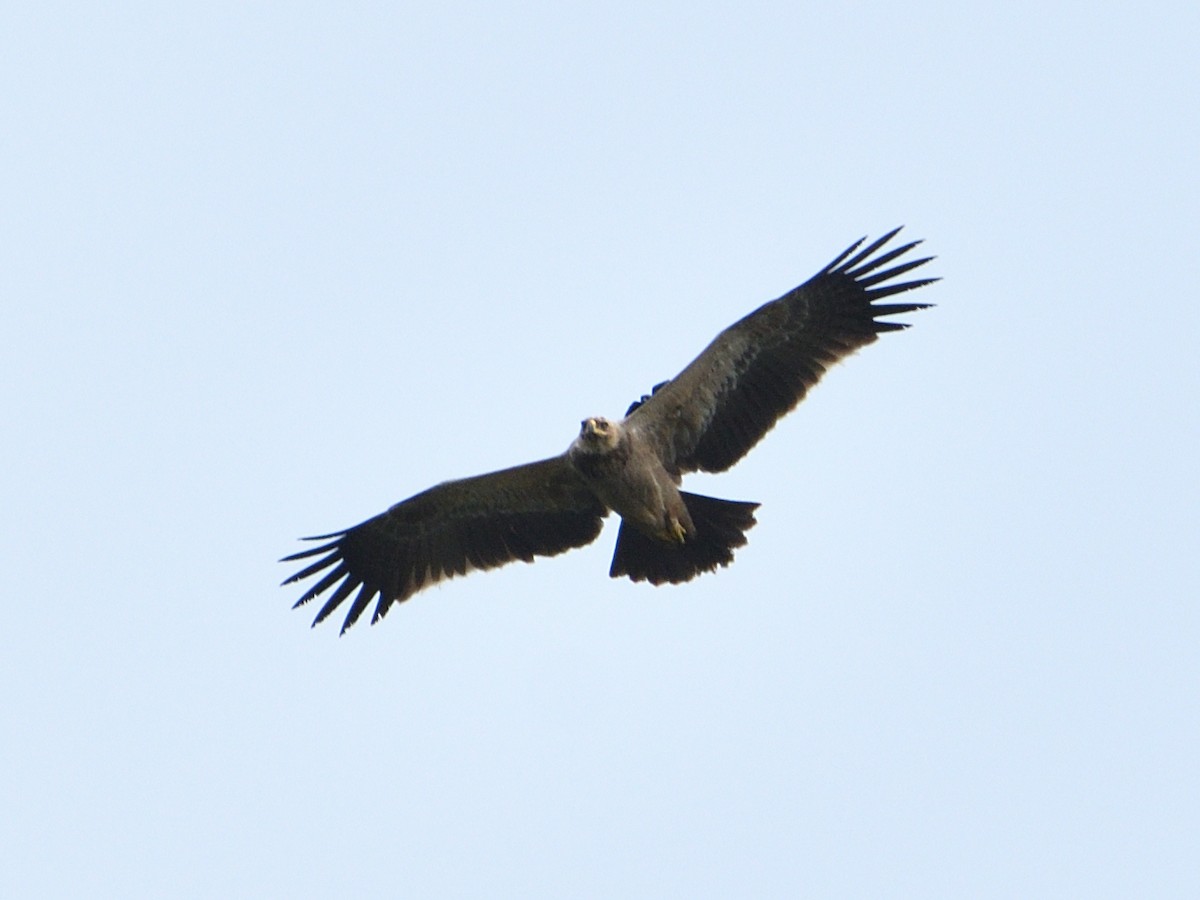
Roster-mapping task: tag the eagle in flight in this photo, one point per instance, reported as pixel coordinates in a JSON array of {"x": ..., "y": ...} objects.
[{"x": 706, "y": 418}]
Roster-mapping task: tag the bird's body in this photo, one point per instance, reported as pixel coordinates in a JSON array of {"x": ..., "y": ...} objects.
[
  {"x": 628, "y": 478},
  {"x": 704, "y": 419}
]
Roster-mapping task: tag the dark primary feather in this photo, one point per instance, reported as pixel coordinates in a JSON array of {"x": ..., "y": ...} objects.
[
  {"x": 539, "y": 509},
  {"x": 758, "y": 369}
]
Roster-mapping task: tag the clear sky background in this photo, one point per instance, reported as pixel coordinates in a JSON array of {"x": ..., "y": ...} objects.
[{"x": 268, "y": 268}]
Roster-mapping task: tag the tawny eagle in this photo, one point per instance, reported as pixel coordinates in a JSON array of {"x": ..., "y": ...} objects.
[{"x": 704, "y": 419}]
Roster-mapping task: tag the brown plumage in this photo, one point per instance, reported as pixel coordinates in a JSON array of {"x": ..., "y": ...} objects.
[{"x": 706, "y": 418}]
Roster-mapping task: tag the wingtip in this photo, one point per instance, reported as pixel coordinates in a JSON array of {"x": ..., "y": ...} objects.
[
  {"x": 837, "y": 261},
  {"x": 325, "y": 537},
  {"x": 853, "y": 256}
]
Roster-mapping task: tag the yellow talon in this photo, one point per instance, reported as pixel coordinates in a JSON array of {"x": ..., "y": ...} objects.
[{"x": 678, "y": 531}]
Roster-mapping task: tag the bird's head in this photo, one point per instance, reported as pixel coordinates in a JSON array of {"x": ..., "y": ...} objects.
[{"x": 599, "y": 435}]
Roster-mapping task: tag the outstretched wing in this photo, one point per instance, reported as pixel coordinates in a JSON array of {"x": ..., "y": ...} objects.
[
  {"x": 757, "y": 370},
  {"x": 539, "y": 509}
]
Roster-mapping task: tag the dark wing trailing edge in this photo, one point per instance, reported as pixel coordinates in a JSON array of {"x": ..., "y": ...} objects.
[
  {"x": 540, "y": 509},
  {"x": 758, "y": 369}
]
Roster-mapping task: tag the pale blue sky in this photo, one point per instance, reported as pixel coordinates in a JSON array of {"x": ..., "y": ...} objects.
[{"x": 268, "y": 268}]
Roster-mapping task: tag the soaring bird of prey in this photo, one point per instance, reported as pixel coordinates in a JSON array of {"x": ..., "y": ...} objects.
[{"x": 706, "y": 418}]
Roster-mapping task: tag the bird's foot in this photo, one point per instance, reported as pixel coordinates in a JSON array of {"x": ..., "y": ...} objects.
[{"x": 678, "y": 532}]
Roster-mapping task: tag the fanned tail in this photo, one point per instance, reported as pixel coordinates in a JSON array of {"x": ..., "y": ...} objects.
[{"x": 720, "y": 527}]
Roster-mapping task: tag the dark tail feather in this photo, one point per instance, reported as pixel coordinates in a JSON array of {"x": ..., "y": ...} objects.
[{"x": 720, "y": 527}]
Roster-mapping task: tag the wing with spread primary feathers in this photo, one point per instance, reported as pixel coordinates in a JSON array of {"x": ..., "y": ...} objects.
[
  {"x": 757, "y": 370},
  {"x": 539, "y": 509}
]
